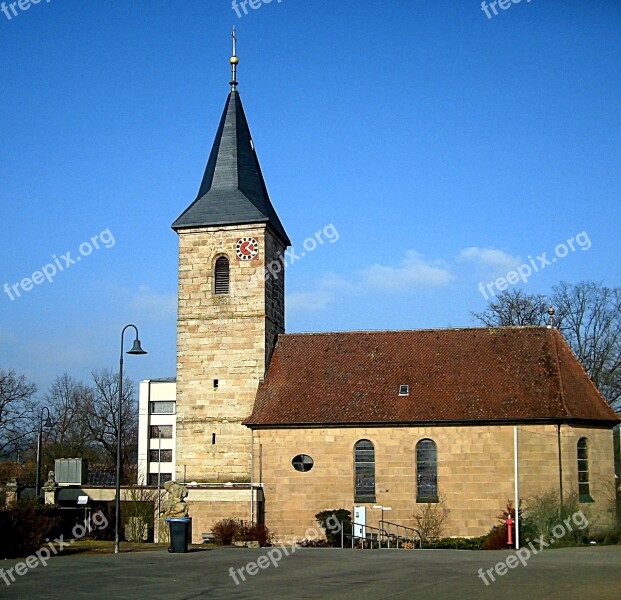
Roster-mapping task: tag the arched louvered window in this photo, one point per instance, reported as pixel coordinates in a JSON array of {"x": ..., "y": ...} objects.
[
  {"x": 365, "y": 471},
  {"x": 426, "y": 471},
  {"x": 584, "y": 488},
  {"x": 221, "y": 285}
]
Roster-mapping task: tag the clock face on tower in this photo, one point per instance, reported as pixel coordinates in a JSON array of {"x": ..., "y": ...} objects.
[{"x": 246, "y": 248}]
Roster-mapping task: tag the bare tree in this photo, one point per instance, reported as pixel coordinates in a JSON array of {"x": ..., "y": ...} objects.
[
  {"x": 102, "y": 417},
  {"x": 16, "y": 410},
  {"x": 430, "y": 520},
  {"x": 68, "y": 401},
  {"x": 588, "y": 314},
  {"x": 514, "y": 307}
]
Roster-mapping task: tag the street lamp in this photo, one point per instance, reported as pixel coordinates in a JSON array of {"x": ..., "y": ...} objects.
[
  {"x": 136, "y": 349},
  {"x": 47, "y": 425}
]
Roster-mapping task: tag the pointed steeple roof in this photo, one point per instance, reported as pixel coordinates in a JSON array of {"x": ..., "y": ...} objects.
[{"x": 233, "y": 190}]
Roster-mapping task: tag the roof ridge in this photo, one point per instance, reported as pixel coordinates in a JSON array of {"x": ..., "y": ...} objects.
[
  {"x": 554, "y": 340},
  {"x": 585, "y": 372},
  {"x": 430, "y": 329}
]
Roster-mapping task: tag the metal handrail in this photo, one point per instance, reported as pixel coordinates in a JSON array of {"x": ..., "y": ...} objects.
[
  {"x": 398, "y": 537},
  {"x": 365, "y": 537},
  {"x": 409, "y": 535}
]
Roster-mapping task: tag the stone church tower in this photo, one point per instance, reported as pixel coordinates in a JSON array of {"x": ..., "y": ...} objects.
[{"x": 231, "y": 303}]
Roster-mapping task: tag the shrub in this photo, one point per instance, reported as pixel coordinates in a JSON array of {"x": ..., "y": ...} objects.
[
  {"x": 612, "y": 537},
  {"x": 24, "y": 526},
  {"x": 544, "y": 511},
  {"x": 430, "y": 520},
  {"x": 496, "y": 539},
  {"x": 254, "y": 533},
  {"x": 457, "y": 543},
  {"x": 332, "y": 521},
  {"x": 138, "y": 516},
  {"x": 225, "y": 530},
  {"x": 307, "y": 543}
]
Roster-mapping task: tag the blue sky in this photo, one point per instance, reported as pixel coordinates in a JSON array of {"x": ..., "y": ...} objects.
[{"x": 445, "y": 147}]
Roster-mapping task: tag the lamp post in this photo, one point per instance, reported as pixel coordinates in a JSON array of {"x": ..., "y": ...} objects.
[
  {"x": 159, "y": 481},
  {"x": 47, "y": 425},
  {"x": 136, "y": 349}
]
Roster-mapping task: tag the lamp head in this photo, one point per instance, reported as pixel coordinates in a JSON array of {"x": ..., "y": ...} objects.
[
  {"x": 48, "y": 423},
  {"x": 136, "y": 348}
]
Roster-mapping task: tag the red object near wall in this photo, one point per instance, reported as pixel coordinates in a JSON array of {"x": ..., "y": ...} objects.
[{"x": 509, "y": 521}]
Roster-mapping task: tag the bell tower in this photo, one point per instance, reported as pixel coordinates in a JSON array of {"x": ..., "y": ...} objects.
[{"x": 231, "y": 303}]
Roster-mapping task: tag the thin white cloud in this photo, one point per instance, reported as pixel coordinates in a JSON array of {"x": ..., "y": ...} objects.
[
  {"x": 143, "y": 302},
  {"x": 311, "y": 301},
  {"x": 153, "y": 304},
  {"x": 490, "y": 259},
  {"x": 412, "y": 271}
]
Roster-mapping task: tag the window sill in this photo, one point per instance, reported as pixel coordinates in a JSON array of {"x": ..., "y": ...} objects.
[
  {"x": 365, "y": 500},
  {"x": 429, "y": 500}
]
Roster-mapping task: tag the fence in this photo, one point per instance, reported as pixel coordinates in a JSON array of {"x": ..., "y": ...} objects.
[{"x": 388, "y": 535}]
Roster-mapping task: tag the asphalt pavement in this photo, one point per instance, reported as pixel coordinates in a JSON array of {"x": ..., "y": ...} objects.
[{"x": 223, "y": 573}]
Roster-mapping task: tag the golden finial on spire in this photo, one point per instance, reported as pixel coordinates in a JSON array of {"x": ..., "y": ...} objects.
[{"x": 234, "y": 62}]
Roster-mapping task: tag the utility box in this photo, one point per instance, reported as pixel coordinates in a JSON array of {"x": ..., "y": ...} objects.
[{"x": 70, "y": 471}]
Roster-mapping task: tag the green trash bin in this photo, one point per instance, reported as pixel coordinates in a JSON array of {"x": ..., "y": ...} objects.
[{"x": 180, "y": 534}]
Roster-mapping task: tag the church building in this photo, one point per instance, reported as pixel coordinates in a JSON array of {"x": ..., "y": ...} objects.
[{"x": 273, "y": 427}]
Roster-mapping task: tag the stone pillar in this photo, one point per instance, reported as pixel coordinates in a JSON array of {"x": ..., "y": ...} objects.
[
  {"x": 50, "y": 489},
  {"x": 11, "y": 491}
]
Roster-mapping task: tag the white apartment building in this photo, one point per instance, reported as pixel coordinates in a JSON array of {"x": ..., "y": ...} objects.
[{"x": 156, "y": 431}]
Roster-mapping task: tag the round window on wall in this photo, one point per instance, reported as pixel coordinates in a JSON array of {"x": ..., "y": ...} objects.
[{"x": 302, "y": 463}]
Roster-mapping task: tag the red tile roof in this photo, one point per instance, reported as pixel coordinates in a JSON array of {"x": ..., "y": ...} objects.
[{"x": 454, "y": 375}]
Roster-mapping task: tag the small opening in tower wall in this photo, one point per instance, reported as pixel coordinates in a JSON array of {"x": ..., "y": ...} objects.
[
  {"x": 221, "y": 275},
  {"x": 215, "y": 384},
  {"x": 213, "y": 438},
  {"x": 404, "y": 390}
]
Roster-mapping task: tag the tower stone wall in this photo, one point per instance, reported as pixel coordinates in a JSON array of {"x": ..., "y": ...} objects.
[{"x": 224, "y": 342}]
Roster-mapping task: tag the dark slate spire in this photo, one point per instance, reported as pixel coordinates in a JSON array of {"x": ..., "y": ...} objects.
[{"x": 233, "y": 191}]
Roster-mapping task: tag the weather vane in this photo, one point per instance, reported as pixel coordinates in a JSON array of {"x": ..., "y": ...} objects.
[{"x": 234, "y": 61}]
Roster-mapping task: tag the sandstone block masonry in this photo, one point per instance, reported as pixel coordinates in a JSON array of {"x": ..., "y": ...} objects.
[
  {"x": 224, "y": 342},
  {"x": 475, "y": 472}
]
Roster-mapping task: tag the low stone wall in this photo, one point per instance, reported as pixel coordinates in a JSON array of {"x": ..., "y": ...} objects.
[{"x": 210, "y": 504}]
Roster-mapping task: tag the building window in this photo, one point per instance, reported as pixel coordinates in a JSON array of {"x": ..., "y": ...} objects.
[
  {"x": 584, "y": 491},
  {"x": 426, "y": 471},
  {"x": 162, "y": 408},
  {"x": 165, "y": 430},
  {"x": 404, "y": 390},
  {"x": 164, "y": 477},
  {"x": 302, "y": 463},
  {"x": 221, "y": 285},
  {"x": 160, "y": 455},
  {"x": 365, "y": 471}
]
